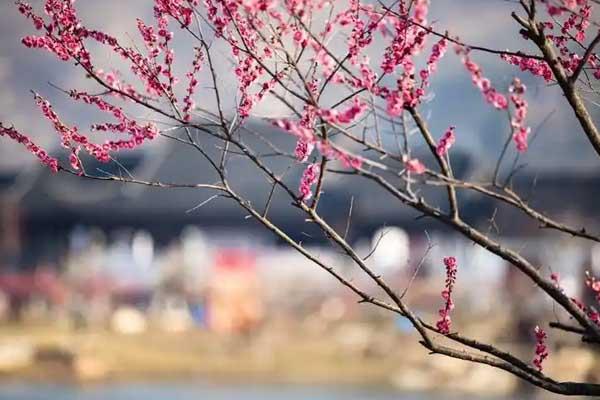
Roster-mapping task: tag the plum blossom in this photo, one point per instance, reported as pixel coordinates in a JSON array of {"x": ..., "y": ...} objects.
[
  {"x": 295, "y": 128},
  {"x": 346, "y": 116},
  {"x": 520, "y": 138},
  {"x": 591, "y": 312},
  {"x": 568, "y": 25},
  {"x": 541, "y": 350},
  {"x": 446, "y": 142},
  {"x": 309, "y": 178},
  {"x": 555, "y": 277},
  {"x": 437, "y": 52},
  {"x": 520, "y": 131},
  {"x": 193, "y": 83},
  {"x": 593, "y": 283},
  {"x": 34, "y": 149},
  {"x": 491, "y": 95},
  {"x": 415, "y": 166},
  {"x": 303, "y": 149},
  {"x": 72, "y": 139},
  {"x": 307, "y": 136},
  {"x": 532, "y": 65},
  {"x": 445, "y": 322},
  {"x": 590, "y": 282}
]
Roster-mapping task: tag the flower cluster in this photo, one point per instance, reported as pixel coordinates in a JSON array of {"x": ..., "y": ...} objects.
[
  {"x": 368, "y": 79},
  {"x": 181, "y": 10},
  {"x": 63, "y": 32},
  {"x": 167, "y": 71},
  {"x": 591, "y": 313},
  {"x": 65, "y": 36},
  {"x": 568, "y": 24},
  {"x": 593, "y": 283},
  {"x": 359, "y": 38},
  {"x": 150, "y": 38},
  {"x": 541, "y": 350},
  {"x": 491, "y": 95},
  {"x": 303, "y": 149},
  {"x": 577, "y": 19},
  {"x": 139, "y": 133},
  {"x": 520, "y": 131},
  {"x": 408, "y": 39},
  {"x": 120, "y": 88},
  {"x": 346, "y": 116},
  {"x": 348, "y": 160},
  {"x": 532, "y": 65},
  {"x": 446, "y": 142},
  {"x": 415, "y": 166},
  {"x": 309, "y": 178},
  {"x": 437, "y": 52},
  {"x": 239, "y": 24},
  {"x": 307, "y": 140},
  {"x": 156, "y": 40},
  {"x": 71, "y": 139},
  {"x": 193, "y": 82},
  {"x": 299, "y": 130},
  {"x": 445, "y": 322},
  {"x": 34, "y": 149},
  {"x": 408, "y": 95},
  {"x": 555, "y": 277}
]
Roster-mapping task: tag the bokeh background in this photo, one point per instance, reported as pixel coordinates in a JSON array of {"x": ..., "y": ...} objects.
[{"x": 128, "y": 292}]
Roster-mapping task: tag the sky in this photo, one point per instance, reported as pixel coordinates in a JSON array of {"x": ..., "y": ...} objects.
[{"x": 480, "y": 130}]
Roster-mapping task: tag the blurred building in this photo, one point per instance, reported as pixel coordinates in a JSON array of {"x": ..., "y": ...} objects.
[{"x": 119, "y": 244}]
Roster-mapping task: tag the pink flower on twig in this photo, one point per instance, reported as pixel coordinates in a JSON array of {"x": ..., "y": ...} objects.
[
  {"x": 445, "y": 322},
  {"x": 541, "y": 350}
]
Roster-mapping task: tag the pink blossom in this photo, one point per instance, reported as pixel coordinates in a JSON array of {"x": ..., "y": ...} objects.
[
  {"x": 349, "y": 160},
  {"x": 593, "y": 283},
  {"x": 303, "y": 149},
  {"x": 193, "y": 82},
  {"x": 113, "y": 80},
  {"x": 325, "y": 62},
  {"x": 395, "y": 106},
  {"x": 180, "y": 10},
  {"x": 541, "y": 350},
  {"x": 446, "y": 142},
  {"x": 490, "y": 94},
  {"x": 149, "y": 36},
  {"x": 445, "y": 322},
  {"x": 591, "y": 313},
  {"x": 295, "y": 128},
  {"x": 74, "y": 160},
  {"x": 369, "y": 78},
  {"x": 555, "y": 277},
  {"x": 415, "y": 166},
  {"x": 346, "y": 116},
  {"x": 307, "y": 140},
  {"x": 574, "y": 19},
  {"x": 72, "y": 139},
  {"x": 437, "y": 52},
  {"x": 34, "y": 149},
  {"x": 568, "y": 25},
  {"x": 309, "y": 178},
  {"x": 254, "y": 6},
  {"x": 408, "y": 40},
  {"x": 520, "y": 131},
  {"x": 520, "y": 138},
  {"x": 301, "y": 37},
  {"x": 534, "y": 66}
]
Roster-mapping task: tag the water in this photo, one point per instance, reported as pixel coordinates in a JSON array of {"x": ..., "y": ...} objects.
[{"x": 200, "y": 391}]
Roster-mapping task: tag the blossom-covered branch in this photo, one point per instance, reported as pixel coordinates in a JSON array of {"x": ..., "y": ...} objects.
[{"x": 355, "y": 79}]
